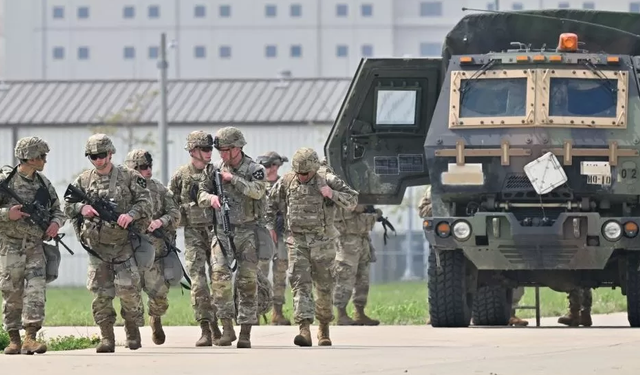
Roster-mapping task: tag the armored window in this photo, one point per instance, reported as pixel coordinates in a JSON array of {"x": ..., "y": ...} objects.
[
  {"x": 496, "y": 98},
  {"x": 396, "y": 107},
  {"x": 583, "y": 98}
]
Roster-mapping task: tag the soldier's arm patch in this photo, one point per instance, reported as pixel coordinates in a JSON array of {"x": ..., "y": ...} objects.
[
  {"x": 142, "y": 182},
  {"x": 258, "y": 174}
]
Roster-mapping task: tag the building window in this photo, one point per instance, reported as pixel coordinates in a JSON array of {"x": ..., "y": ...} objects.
[
  {"x": 128, "y": 12},
  {"x": 517, "y": 6},
  {"x": 491, "y": 6},
  {"x": 270, "y": 51},
  {"x": 154, "y": 11},
  {"x": 270, "y": 10},
  {"x": 129, "y": 53},
  {"x": 634, "y": 7},
  {"x": 153, "y": 52},
  {"x": 342, "y": 50},
  {"x": 83, "y": 53},
  {"x": 589, "y": 5},
  {"x": 58, "y": 12},
  {"x": 83, "y": 12},
  {"x": 563, "y": 5},
  {"x": 430, "y": 9},
  {"x": 199, "y": 52},
  {"x": 341, "y": 10},
  {"x": 430, "y": 49},
  {"x": 199, "y": 11},
  {"x": 296, "y": 50},
  {"x": 225, "y": 11},
  {"x": 366, "y": 10},
  {"x": 225, "y": 52},
  {"x": 58, "y": 53},
  {"x": 295, "y": 10},
  {"x": 367, "y": 50}
]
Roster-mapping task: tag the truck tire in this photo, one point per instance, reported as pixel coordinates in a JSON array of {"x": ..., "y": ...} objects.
[
  {"x": 449, "y": 302},
  {"x": 633, "y": 291},
  {"x": 492, "y": 306}
]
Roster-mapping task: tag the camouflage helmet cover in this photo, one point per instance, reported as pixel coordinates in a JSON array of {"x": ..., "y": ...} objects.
[
  {"x": 30, "y": 148},
  {"x": 271, "y": 158},
  {"x": 229, "y": 137},
  {"x": 198, "y": 138},
  {"x": 99, "y": 143},
  {"x": 138, "y": 157},
  {"x": 305, "y": 160}
]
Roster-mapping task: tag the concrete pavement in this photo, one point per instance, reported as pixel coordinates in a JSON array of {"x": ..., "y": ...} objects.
[{"x": 610, "y": 347}]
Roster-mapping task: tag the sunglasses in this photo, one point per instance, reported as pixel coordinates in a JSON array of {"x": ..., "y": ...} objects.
[
  {"x": 143, "y": 167},
  {"x": 206, "y": 148},
  {"x": 101, "y": 155}
]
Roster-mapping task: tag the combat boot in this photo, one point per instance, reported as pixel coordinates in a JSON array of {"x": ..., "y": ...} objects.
[
  {"x": 30, "y": 345},
  {"x": 362, "y": 319},
  {"x": 15, "y": 343},
  {"x": 216, "y": 333},
  {"x": 323, "y": 335},
  {"x": 245, "y": 336},
  {"x": 304, "y": 337},
  {"x": 108, "y": 341},
  {"x": 133, "y": 336},
  {"x": 277, "y": 318},
  {"x": 157, "y": 333},
  {"x": 343, "y": 317},
  {"x": 572, "y": 319},
  {"x": 585, "y": 318},
  {"x": 205, "y": 338},
  {"x": 228, "y": 334},
  {"x": 515, "y": 321}
]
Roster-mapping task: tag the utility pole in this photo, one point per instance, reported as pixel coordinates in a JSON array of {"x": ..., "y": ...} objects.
[
  {"x": 162, "y": 124},
  {"x": 497, "y": 2}
]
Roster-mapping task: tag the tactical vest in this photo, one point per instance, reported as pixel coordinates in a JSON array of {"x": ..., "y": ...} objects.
[
  {"x": 191, "y": 214},
  {"x": 307, "y": 210}
]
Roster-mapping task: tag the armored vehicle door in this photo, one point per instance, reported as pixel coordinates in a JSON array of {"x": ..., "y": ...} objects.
[{"x": 377, "y": 141}]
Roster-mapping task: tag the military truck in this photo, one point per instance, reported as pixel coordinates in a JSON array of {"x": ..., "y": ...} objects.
[{"x": 527, "y": 130}]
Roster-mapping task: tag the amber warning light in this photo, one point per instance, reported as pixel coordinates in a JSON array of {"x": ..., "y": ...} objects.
[{"x": 568, "y": 42}]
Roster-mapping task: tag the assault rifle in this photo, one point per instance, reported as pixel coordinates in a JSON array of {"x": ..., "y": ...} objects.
[
  {"x": 369, "y": 209},
  {"x": 226, "y": 222},
  {"x": 38, "y": 213},
  {"x": 107, "y": 211}
]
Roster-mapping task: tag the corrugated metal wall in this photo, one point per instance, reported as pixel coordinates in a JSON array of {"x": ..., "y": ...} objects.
[{"x": 66, "y": 160}]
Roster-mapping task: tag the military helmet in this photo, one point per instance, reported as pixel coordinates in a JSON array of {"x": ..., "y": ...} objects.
[
  {"x": 271, "y": 158},
  {"x": 229, "y": 137},
  {"x": 30, "y": 148},
  {"x": 99, "y": 143},
  {"x": 198, "y": 138},
  {"x": 138, "y": 157},
  {"x": 305, "y": 160}
]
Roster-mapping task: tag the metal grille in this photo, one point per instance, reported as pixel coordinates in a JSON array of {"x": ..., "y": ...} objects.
[{"x": 517, "y": 181}]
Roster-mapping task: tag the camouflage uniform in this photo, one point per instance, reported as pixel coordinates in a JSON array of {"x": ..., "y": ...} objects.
[
  {"x": 518, "y": 293},
  {"x": 244, "y": 192},
  {"x": 353, "y": 261},
  {"x": 164, "y": 209},
  {"x": 280, "y": 258},
  {"x": 312, "y": 238},
  {"x": 198, "y": 225},
  {"x": 22, "y": 257},
  {"x": 580, "y": 300},
  {"x": 118, "y": 275}
]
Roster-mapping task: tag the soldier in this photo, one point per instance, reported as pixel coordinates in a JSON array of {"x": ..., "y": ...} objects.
[
  {"x": 308, "y": 196},
  {"x": 198, "y": 224},
  {"x": 114, "y": 269},
  {"x": 22, "y": 254},
  {"x": 518, "y": 293},
  {"x": 272, "y": 162},
  {"x": 580, "y": 300},
  {"x": 353, "y": 261},
  {"x": 244, "y": 187},
  {"x": 166, "y": 215}
]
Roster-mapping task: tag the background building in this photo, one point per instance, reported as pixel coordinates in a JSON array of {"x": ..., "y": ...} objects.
[{"x": 113, "y": 39}]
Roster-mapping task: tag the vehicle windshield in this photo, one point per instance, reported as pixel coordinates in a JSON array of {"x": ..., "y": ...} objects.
[
  {"x": 583, "y": 97},
  {"x": 487, "y": 97}
]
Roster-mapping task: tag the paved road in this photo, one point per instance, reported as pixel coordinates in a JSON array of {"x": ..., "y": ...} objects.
[{"x": 611, "y": 347}]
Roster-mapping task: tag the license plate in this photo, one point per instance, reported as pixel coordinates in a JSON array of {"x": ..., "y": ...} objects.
[{"x": 598, "y": 180}]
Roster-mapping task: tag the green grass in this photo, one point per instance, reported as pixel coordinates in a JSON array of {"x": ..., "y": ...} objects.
[
  {"x": 399, "y": 303},
  {"x": 59, "y": 343}
]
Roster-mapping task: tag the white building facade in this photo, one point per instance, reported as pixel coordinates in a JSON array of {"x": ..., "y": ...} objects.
[{"x": 115, "y": 39}]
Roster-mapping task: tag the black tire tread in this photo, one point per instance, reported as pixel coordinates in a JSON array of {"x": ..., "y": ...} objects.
[{"x": 447, "y": 290}]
